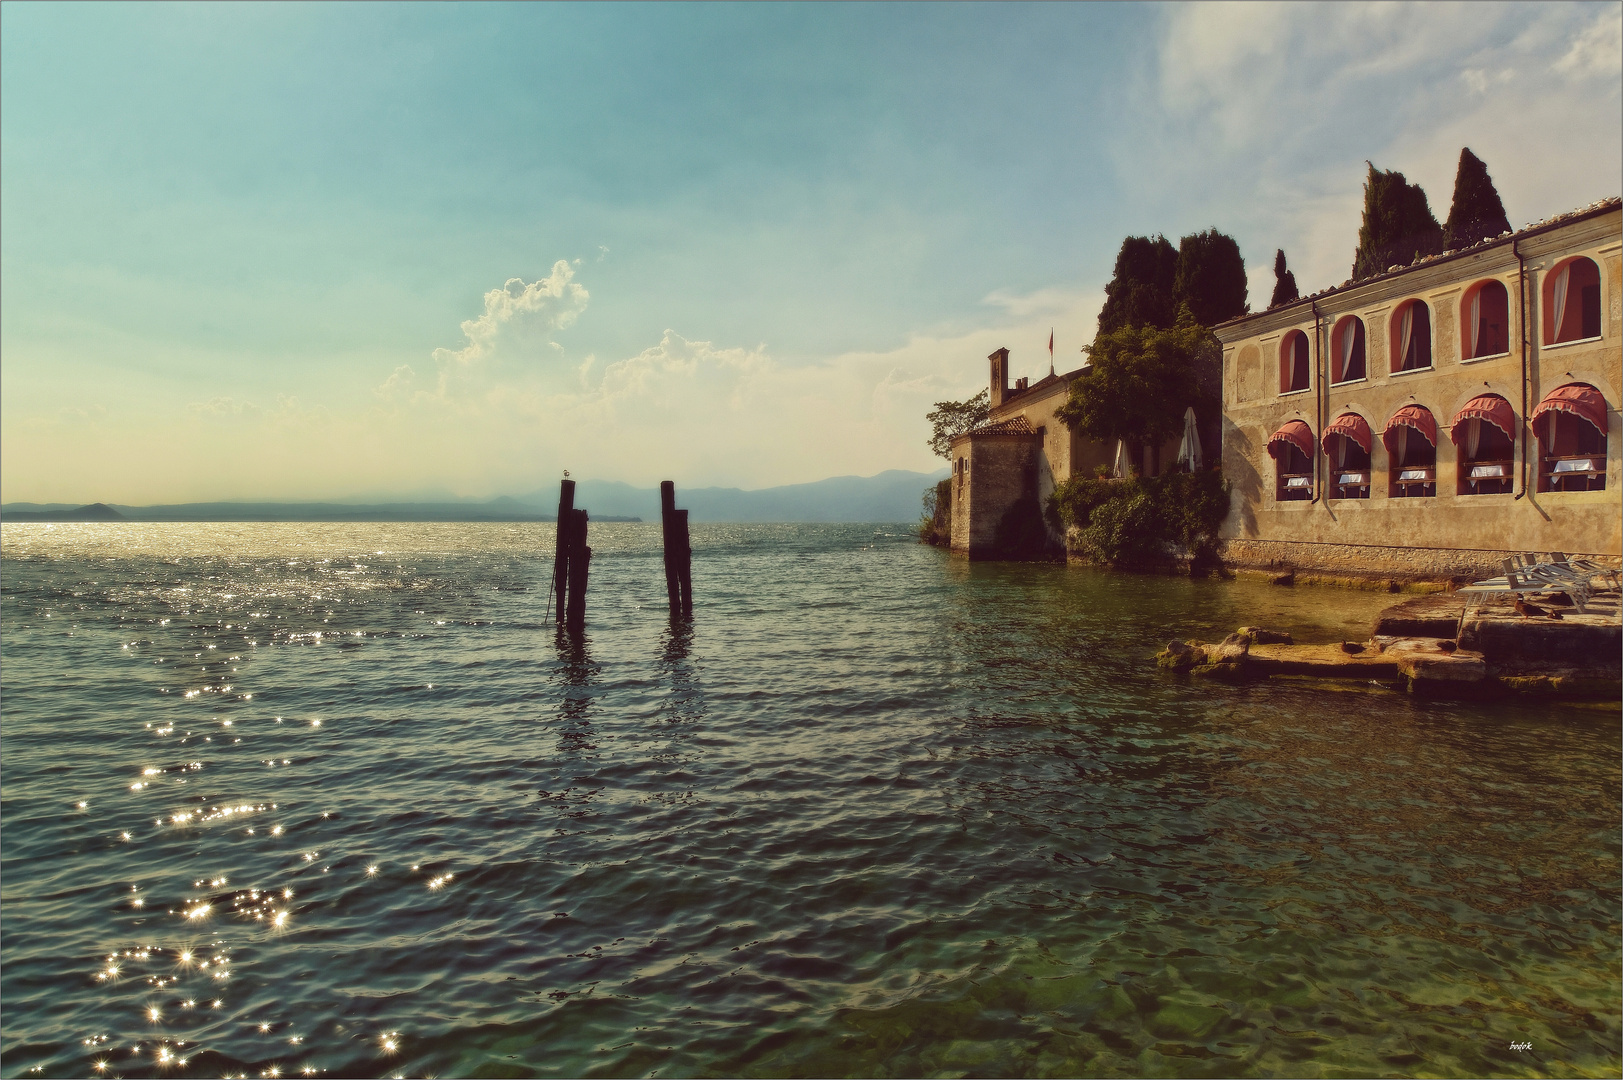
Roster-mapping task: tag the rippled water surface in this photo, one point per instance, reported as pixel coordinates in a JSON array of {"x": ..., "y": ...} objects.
[{"x": 337, "y": 799}]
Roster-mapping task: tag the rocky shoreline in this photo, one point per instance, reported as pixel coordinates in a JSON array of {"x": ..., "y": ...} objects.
[{"x": 1432, "y": 646}]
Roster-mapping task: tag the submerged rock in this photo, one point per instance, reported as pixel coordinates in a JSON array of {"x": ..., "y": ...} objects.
[
  {"x": 1220, "y": 672},
  {"x": 1231, "y": 650},
  {"x": 1180, "y": 656}
]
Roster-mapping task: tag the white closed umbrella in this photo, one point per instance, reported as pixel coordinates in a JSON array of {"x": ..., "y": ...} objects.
[
  {"x": 1122, "y": 469},
  {"x": 1189, "y": 448}
]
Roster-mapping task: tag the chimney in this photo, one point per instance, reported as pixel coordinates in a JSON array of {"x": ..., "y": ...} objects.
[{"x": 1000, "y": 376}]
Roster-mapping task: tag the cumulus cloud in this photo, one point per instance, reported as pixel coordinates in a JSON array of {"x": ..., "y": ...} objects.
[
  {"x": 550, "y": 303},
  {"x": 676, "y": 361},
  {"x": 708, "y": 411}
]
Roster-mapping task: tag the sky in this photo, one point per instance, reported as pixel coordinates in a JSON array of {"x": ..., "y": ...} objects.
[{"x": 394, "y": 251}]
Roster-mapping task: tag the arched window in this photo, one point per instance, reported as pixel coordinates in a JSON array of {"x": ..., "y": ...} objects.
[
  {"x": 1347, "y": 443},
  {"x": 1347, "y": 350},
  {"x": 1571, "y": 427},
  {"x": 1291, "y": 447},
  {"x": 1484, "y": 434},
  {"x": 1411, "y": 336},
  {"x": 1572, "y": 302},
  {"x": 1411, "y": 453},
  {"x": 1293, "y": 362},
  {"x": 1485, "y": 320}
]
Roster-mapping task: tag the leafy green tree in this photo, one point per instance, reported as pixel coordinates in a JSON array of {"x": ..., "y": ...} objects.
[
  {"x": 950, "y": 419},
  {"x": 1398, "y": 224},
  {"x": 1477, "y": 212},
  {"x": 1210, "y": 277},
  {"x": 1284, "y": 282},
  {"x": 1141, "y": 288},
  {"x": 1139, "y": 381}
]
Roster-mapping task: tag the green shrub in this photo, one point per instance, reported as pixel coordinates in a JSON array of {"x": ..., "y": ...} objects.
[
  {"x": 935, "y": 526},
  {"x": 1140, "y": 521}
]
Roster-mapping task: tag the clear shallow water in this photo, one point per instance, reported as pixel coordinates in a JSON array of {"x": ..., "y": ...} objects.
[{"x": 292, "y": 797}]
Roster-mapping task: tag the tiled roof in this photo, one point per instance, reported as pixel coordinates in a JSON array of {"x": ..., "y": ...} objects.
[{"x": 1017, "y": 425}]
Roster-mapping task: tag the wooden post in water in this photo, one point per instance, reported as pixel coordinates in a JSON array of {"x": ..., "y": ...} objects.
[
  {"x": 560, "y": 555},
  {"x": 684, "y": 563},
  {"x": 667, "y": 521},
  {"x": 580, "y": 561}
]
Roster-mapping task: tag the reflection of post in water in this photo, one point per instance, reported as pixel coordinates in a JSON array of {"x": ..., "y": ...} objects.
[
  {"x": 577, "y": 670},
  {"x": 686, "y": 702}
]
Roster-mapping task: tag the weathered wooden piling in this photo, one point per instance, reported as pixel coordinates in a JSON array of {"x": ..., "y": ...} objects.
[
  {"x": 678, "y": 552},
  {"x": 580, "y": 561},
  {"x": 560, "y": 557},
  {"x": 667, "y": 522},
  {"x": 684, "y": 564}
]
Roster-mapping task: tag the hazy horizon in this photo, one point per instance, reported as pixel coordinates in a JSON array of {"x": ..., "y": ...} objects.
[
  {"x": 546, "y": 491},
  {"x": 278, "y": 253}
]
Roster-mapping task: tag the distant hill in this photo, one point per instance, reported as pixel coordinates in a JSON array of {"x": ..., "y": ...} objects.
[
  {"x": 497, "y": 510},
  {"x": 888, "y": 496},
  {"x": 49, "y": 512}
]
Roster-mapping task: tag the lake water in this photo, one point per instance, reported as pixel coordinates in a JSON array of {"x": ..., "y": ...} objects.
[{"x": 337, "y": 800}]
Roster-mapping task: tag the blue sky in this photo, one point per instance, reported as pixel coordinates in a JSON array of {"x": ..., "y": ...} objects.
[{"x": 335, "y": 251}]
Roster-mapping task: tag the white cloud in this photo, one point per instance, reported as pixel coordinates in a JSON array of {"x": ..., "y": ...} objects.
[
  {"x": 287, "y": 410},
  {"x": 550, "y": 303},
  {"x": 1260, "y": 116},
  {"x": 707, "y": 412},
  {"x": 1597, "y": 52},
  {"x": 223, "y": 408}
]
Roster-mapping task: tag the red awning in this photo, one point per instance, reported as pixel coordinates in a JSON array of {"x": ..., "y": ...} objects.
[
  {"x": 1417, "y": 417},
  {"x": 1579, "y": 399},
  {"x": 1490, "y": 409},
  {"x": 1294, "y": 433},
  {"x": 1352, "y": 426}
]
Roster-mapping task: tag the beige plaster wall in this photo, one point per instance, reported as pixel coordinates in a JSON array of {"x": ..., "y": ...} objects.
[
  {"x": 1065, "y": 454},
  {"x": 1570, "y": 521}
]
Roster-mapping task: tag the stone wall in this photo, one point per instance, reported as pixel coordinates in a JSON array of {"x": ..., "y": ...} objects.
[
  {"x": 1373, "y": 561},
  {"x": 998, "y": 471}
]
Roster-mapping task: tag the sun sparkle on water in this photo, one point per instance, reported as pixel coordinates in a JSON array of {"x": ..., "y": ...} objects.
[{"x": 839, "y": 742}]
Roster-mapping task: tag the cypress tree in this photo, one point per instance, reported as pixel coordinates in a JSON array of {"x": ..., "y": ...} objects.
[
  {"x": 1398, "y": 224},
  {"x": 1210, "y": 277},
  {"x": 1284, "y": 282},
  {"x": 1476, "y": 213},
  {"x": 1140, "y": 290}
]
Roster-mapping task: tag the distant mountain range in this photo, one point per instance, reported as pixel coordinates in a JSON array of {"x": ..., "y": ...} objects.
[{"x": 890, "y": 496}]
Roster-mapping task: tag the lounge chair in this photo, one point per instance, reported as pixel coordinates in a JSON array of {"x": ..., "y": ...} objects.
[
  {"x": 1589, "y": 569},
  {"x": 1526, "y": 581}
]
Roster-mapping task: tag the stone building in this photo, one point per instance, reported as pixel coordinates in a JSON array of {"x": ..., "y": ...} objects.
[
  {"x": 1004, "y": 471},
  {"x": 1429, "y": 421},
  {"x": 1010, "y": 465}
]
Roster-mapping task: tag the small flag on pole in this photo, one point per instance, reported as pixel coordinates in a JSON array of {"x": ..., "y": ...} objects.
[{"x": 1051, "y": 350}]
